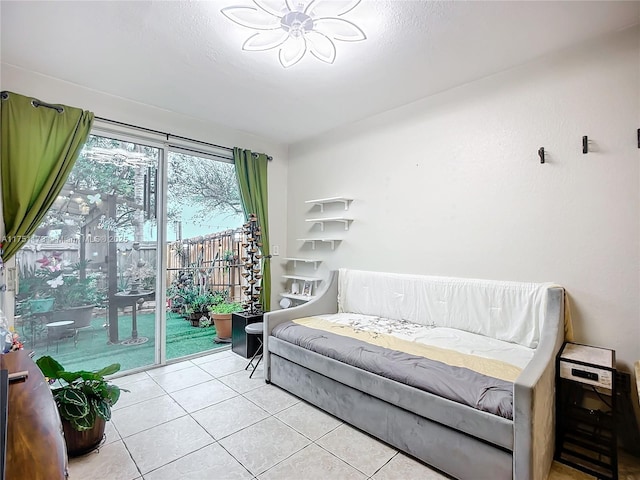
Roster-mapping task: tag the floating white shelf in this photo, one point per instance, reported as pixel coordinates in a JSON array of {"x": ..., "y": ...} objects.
[
  {"x": 301, "y": 298},
  {"x": 303, "y": 260},
  {"x": 322, "y": 221},
  {"x": 321, "y": 202},
  {"x": 313, "y": 241},
  {"x": 303, "y": 278}
]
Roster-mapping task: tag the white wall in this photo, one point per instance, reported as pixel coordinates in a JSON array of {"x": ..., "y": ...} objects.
[
  {"x": 452, "y": 185},
  {"x": 53, "y": 90}
]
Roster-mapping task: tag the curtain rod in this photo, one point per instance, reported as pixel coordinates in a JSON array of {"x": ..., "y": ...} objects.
[
  {"x": 179, "y": 147},
  {"x": 167, "y": 135},
  {"x": 38, "y": 103}
]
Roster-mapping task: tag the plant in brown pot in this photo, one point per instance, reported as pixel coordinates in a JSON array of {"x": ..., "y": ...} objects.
[
  {"x": 221, "y": 315},
  {"x": 84, "y": 401}
]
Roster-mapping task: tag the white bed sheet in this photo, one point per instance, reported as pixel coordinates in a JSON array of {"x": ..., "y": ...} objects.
[{"x": 442, "y": 337}]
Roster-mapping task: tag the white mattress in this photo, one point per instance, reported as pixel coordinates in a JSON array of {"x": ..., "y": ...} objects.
[{"x": 442, "y": 337}]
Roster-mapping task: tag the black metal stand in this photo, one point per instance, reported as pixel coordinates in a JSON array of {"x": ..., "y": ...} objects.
[
  {"x": 586, "y": 438},
  {"x": 257, "y": 356}
]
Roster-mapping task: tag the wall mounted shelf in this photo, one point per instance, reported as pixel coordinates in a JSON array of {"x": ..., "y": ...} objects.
[
  {"x": 313, "y": 241},
  {"x": 303, "y": 260},
  {"x": 321, "y": 202},
  {"x": 322, "y": 221},
  {"x": 300, "y": 298},
  {"x": 303, "y": 278}
]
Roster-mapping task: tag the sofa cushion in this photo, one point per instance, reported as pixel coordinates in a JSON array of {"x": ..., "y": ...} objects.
[{"x": 508, "y": 311}]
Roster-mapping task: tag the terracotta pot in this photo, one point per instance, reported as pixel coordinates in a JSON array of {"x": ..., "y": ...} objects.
[
  {"x": 79, "y": 443},
  {"x": 222, "y": 322}
]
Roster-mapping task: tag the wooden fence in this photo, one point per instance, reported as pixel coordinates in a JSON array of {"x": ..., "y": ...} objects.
[{"x": 211, "y": 261}]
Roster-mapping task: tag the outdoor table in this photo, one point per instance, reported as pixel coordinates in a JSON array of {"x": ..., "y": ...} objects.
[
  {"x": 123, "y": 299},
  {"x": 59, "y": 330}
]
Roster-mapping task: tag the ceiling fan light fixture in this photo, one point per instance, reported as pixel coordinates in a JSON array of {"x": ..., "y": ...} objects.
[{"x": 296, "y": 27}]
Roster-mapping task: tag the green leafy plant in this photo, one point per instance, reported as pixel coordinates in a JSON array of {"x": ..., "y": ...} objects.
[
  {"x": 33, "y": 283},
  {"x": 82, "y": 396},
  {"x": 199, "y": 303},
  {"x": 76, "y": 293},
  {"x": 72, "y": 291},
  {"x": 226, "y": 307},
  {"x": 203, "y": 302}
]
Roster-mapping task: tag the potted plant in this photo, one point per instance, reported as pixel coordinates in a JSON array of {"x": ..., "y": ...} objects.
[
  {"x": 75, "y": 296},
  {"x": 178, "y": 292},
  {"x": 186, "y": 297},
  {"x": 200, "y": 305},
  {"x": 84, "y": 400},
  {"x": 35, "y": 294},
  {"x": 221, "y": 315}
]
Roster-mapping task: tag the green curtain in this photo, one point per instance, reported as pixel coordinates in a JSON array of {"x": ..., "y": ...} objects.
[
  {"x": 251, "y": 171},
  {"x": 39, "y": 144}
]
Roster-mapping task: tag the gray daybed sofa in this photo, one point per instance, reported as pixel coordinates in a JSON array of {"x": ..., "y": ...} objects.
[{"x": 469, "y": 425}]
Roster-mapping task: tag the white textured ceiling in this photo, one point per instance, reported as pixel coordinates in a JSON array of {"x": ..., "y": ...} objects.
[{"x": 186, "y": 57}]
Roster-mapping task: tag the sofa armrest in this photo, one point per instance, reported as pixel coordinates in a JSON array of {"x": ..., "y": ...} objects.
[
  {"x": 534, "y": 397},
  {"x": 326, "y": 301}
]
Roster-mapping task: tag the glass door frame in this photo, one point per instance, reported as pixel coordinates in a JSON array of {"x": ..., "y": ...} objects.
[
  {"x": 165, "y": 143},
  {"x": 127, "y": 135}
]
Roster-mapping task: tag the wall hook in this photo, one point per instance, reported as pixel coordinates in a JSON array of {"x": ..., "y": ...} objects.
[
  {"x": 585, "y": 144},
  {"x": 541, "y": 154}
]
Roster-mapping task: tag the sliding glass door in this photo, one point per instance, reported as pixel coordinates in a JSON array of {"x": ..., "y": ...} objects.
[
  {"x": 204, "y": 217},
  {"x": 88, "y": 277},
  {"x": 143, "y": 239}
]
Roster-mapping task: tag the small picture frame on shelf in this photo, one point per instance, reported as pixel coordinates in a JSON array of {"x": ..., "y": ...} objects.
[{"x": 306, "y": 289}]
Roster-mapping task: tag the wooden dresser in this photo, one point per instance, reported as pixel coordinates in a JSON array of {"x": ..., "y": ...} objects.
[{"x": 35, "y": 442}]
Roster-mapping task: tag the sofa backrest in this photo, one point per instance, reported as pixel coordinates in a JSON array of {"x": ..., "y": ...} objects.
[{"x": 509, "y": 311}]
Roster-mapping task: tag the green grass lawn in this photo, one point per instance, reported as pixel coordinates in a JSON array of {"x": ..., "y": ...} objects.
[{"x": 94, "y": 352}]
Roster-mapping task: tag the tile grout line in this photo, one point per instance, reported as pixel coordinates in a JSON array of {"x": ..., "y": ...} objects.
[
  {"x": 237, "y": 460},
  {"x": 387, "y": 462},
  {"x": 285, "y": 459},
  {"x": 180, "y": 458},
  {"x": 213, "y": 441},
  {"x": 126, "y": 447},
  {"x": 233, "y": 433},
  {"x": 342, "y": 459}
]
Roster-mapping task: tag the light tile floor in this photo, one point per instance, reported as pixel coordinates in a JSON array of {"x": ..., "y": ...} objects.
[{"x": 206, "y": 419}]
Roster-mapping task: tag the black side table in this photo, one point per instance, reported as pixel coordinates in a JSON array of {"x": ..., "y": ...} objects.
[
  {"x": 586, "y": 436},
  {"x": 240, "y": 343}
]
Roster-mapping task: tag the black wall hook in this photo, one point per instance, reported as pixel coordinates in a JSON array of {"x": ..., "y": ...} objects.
[
  {"x": 541, "y": 154},
  {"x": 585, "y": 144}
]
